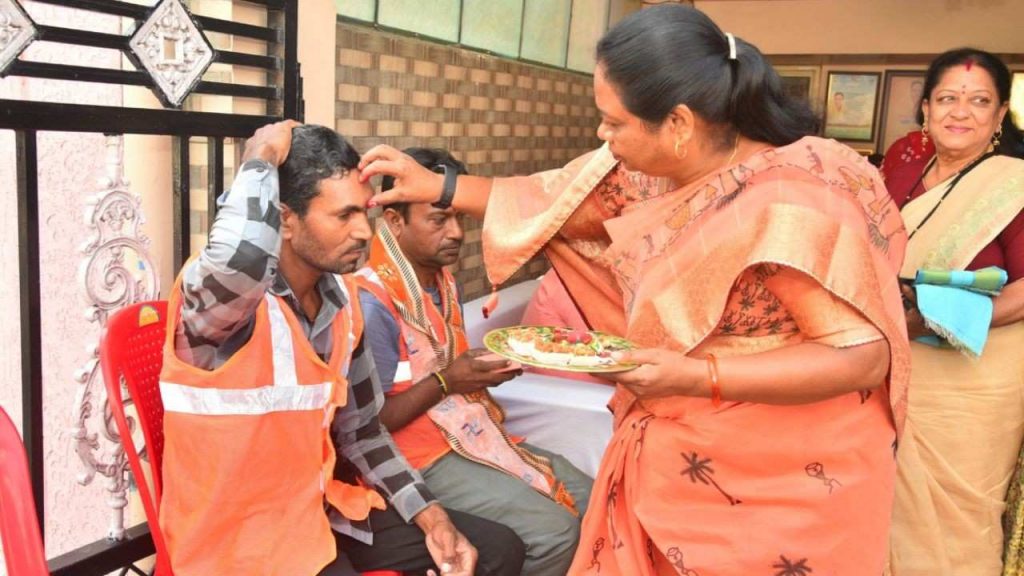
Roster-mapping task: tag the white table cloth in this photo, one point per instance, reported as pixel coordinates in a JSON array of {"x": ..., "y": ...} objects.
[{"x": 565, "y": 416}]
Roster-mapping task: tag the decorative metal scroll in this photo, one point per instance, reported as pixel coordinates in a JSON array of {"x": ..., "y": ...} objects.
[
  {"x": 116, "y": 271},
  {"x": 16, "y": 32}
]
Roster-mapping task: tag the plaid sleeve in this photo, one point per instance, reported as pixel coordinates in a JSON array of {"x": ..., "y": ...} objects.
[
  {"x": 222, "y": 287},
  {"x": 362, "y": 440},
  {"x": 382, "y": 335}
]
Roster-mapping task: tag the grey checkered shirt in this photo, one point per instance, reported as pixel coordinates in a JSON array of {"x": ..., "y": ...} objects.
[{"x": 221, "y": 290}]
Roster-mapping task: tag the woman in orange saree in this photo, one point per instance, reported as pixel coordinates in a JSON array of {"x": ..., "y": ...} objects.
[{"x": 756, "y": 267}]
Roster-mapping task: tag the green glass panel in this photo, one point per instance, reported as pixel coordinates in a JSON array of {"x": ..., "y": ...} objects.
[
  {"x": 434, "y": 18},
  {"x": 546, "y": 31},
  {"x": 493, "y": 25},
  {"x": 588, "y": 21},
  {"x": 357, "y": 9}
]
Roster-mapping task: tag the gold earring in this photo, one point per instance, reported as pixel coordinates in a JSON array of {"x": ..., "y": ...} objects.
[
  {"x": 686, "y": 150},
  {"x": 997, "y": 136},
  {"x": 924, "y": 133}
]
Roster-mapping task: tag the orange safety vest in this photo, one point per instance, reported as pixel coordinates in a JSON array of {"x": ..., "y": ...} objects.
[
  {"x": 248, "y": 456},
  {"x": 421, "y": 441},
  {"x": 470, "y": 424}
]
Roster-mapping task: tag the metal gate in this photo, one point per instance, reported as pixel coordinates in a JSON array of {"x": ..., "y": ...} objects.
[{"x": 170, "y": 51}]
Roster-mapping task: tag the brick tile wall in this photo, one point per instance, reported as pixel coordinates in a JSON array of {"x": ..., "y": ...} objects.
[{"x": 500, "y": 117}]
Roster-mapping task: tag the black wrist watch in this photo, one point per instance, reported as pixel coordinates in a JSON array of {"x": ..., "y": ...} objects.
[{"x": 448, "y": 190}]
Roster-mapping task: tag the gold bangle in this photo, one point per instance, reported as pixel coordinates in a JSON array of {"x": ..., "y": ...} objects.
[
  {"x": 442, "y": 383},
  {"x": 716, "y": 388}
]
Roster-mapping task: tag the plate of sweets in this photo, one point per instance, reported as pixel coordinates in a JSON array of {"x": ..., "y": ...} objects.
[{"x": 559, "y": 348}]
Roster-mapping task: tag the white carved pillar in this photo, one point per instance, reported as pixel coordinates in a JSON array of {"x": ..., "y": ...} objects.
[{"x": 116, "y": 271}]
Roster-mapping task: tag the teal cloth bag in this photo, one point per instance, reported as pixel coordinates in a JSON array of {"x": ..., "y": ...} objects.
[{"x": 957, "y": 305}]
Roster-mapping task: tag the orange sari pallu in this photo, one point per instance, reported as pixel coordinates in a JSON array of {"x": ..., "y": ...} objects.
[{"x": 795, "y": 244}]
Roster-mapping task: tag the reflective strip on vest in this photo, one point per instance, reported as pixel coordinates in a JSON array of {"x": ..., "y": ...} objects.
[
  {"x": 284, "y": 395},
  {"x": 246, "y": 401},
  {"x": 403, "y": 371},
  {"x": 282, "y": 351}
]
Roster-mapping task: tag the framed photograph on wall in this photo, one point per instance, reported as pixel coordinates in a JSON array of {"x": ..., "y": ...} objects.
[
  {"x": 903, "y": 93},
  {"x": 851, "y": 105},
  {"x": 801, "y": 82},
  {"x": 1017, "y": 98}
]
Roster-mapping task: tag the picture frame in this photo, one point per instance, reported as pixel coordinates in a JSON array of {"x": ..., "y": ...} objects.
[
  {"x": 801, "y": 82},
  {"x": 903, "y": 92},
  {"x": 851, "y": 105},
  {"x": 1017, "y": 97}
]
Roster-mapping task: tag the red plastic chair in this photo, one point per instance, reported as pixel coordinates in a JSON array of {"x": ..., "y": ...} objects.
[
  {"x": 132, "y": 352},
  {"x": 19, "y": 526}
]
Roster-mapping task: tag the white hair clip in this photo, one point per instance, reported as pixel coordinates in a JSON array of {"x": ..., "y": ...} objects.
[{"x": 732, "y": 45}]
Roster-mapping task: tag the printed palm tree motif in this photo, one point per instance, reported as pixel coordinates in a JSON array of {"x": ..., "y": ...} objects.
[
  {"x": 765, "y": 271},
  {"x": 817, "y": 470},
  {"x": 789, "y": 568},
  {"x": 675, "y": 556},
  {"x": 864, "y": 395},
  {"x": 728, "y": 325},
  {"x": 699, "y": 469},
  {"x": 750, "y": 320},
  {"x": 613, "y": 197},
  {"x": 746, "y": 296},
  {"x": 775, "y": 326},
  {"x": 595, "y": 563}
]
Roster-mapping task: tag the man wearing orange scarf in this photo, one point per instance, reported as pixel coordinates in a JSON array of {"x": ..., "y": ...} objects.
[{"x": 437, "y": 407}]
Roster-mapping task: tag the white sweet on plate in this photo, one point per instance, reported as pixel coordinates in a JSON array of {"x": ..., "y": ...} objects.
[{"x": 559, "y": 347}]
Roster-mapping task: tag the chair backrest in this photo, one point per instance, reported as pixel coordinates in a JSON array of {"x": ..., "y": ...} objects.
[
  {"x": 132, "y": 353},
  {"x": 19, "y": 525}
]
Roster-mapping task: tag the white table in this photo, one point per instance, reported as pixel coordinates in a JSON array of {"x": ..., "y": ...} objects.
[
  {"x": 567, "y": 417},
  {"x": 564, "y": 416}
]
